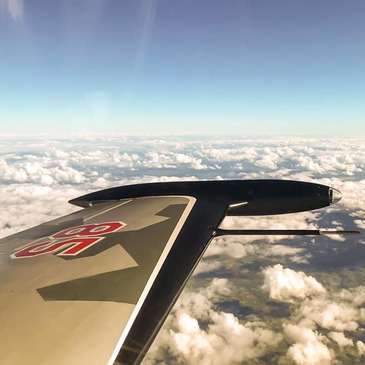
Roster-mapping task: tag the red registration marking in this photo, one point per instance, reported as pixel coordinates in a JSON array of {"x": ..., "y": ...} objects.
[
  {"x": 89, "y": 230},
  {"x": 77, "y": 245},
  {"x": 71, "y": 241}
]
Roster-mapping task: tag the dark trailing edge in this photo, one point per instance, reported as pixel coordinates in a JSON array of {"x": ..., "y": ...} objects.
[{"x": 215, "y": 200}]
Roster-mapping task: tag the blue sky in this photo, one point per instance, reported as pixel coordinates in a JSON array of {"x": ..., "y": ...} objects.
[{"x": 160, "y": 66}]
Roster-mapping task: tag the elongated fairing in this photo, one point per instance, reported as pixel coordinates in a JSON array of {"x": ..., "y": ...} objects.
[{"x": 246, "y": 197}]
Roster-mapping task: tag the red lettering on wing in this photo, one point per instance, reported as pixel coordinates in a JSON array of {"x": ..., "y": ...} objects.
[
  {"x": 89, "y": 230},
  {"x": 77, "y": 245},
  {"x": 70, "y": 241}
]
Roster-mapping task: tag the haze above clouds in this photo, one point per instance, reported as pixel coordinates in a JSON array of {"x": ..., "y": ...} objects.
[{"x": 280, "y": 300}]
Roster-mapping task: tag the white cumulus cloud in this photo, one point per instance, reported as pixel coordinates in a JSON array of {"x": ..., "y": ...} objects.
[
  {"x": 222, "y": 339},
  {"x": 308, "y": 347},
  {"x": 285, "y": 284}
]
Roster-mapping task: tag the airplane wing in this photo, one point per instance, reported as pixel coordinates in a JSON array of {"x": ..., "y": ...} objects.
[{"x": 95, "y": 286}]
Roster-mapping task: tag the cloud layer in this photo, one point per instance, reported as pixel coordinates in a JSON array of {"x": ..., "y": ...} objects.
[{"x": 254, "y": 300}]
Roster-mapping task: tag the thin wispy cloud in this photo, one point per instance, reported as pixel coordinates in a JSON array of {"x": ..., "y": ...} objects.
[
  {"x": 14, "y": 8},
  {"x": 148, "y": 14}
]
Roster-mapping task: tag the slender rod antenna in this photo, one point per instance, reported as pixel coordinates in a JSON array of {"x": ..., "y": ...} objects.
[{"x": 281, "y": 232}]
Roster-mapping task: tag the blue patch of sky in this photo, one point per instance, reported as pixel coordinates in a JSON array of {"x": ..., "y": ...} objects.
[{"x": 168, "y": 66}]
